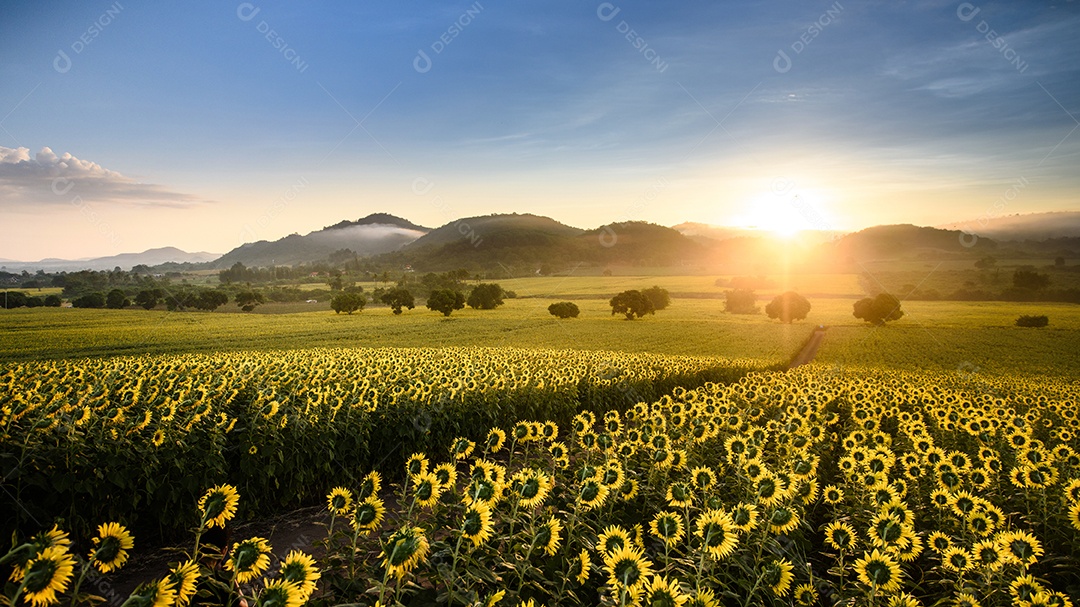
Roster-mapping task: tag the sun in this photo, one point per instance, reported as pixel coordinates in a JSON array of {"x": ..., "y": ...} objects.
[{"x": 772, "y": 215}]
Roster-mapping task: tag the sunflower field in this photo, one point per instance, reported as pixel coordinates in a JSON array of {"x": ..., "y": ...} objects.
[
  {"x": 817, "y": 486},
  {"x": 137, "y": 438}
]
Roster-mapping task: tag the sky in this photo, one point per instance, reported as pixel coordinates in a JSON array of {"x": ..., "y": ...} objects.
[{"x": 128, "y": 125}]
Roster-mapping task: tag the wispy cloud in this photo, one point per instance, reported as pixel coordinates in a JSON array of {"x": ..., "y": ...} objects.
[{"x": 46, "y": 179}]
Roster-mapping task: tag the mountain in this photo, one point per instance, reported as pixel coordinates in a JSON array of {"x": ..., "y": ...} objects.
[
  {"x": 126, "y": 261},
  {"x": 372, "y": 235},
  {"x": 641, "y": 244},
  {"x": 1028, "y": 226},
  {"x": 906, "y": 241}
]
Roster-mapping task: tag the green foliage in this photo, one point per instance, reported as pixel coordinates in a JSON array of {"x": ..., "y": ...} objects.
[
  {"x": 788, "y": 306},
  {"x": 148, "y": 299},
  {"x": 12, "y": 299},
  {"x": 564, "y": 309},
  {"x": 740, "y": 301},
  {"x": 248, "y": 300},
  {"x": 879, "y": 309},
  {"x": 116, "y": 299},
  {"x": 632, "y": 304},
  {"x": 1030, "y": 279},
  {"x": 90, "y": 300},
  {"x": 658, "y": 297},
  {"x": 348, "y": 302},
  {"x": 210, "y": 300},
  {"x": 486, "y": 296},
  {"x": 446, "y": 301},
  {"x": 1032, "y": 321},
  {"x": 398, "y": 298},
  {"x": 53, "y": 301}
]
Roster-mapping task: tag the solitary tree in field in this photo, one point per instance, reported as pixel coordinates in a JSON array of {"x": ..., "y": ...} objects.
[
  {"x": 564, "y": 309},
  {"x": 347, "y": 302},
  {"x": 631, "y": 303},
  {"x": 878, "y": 310},
  {"x": 486, "y": 296},
  {"x": 788, "y": 307},
  {"x": 446, "y": 301},
  {"x": 248, "y": 300},
  {"x": 398, "y": 298},
  {"x": 658, "y": 296},
  {"x": 740, "y": 301}
]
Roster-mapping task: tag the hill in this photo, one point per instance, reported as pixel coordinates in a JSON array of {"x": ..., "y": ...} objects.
[
  {"x": 1024, "y": 227},
  {"x": 372, "y": 235},
  {"x": 126, "y": 261},
  {"x": 905, "y": 241}
]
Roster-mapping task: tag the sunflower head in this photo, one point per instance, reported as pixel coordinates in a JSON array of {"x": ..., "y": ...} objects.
[
  {"x": 403, "y": 550},
  {"x": 718, "y": 533},
  {"x": 627, "y": 568},
  {"x": 339, "y": 501},
  {"x": 300, "y": 568},
  {"x": 879, "y": 570},
  {"x": 47, "y": 574},
  {"x": 249, "y": 559},
  {"x": 548, "y": 536},
  {"x": 218, "y": 505},
  {"x": 110, "y": 547},
  {"x": 370, "y": 486},
  {"x": 281, "y": 593},
  {"x": 368, "y": 514},
  {"x": 777, "y": 575},
  {"x": 476, "y": 523},
  {"x": 667, "y": 527},
  {"x": 184, "y": 578}
]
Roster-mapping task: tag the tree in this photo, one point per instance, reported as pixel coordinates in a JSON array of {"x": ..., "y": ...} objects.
[
  {"x": 740, "y": 301},
  {"x": 34, "y": 302},
  {"x": 878, "y": 310},
  {"x": 116, "y": 299},
  {"x": 13, "y": 299},
  {"x": 1032, "y": 321},
  {"x": 210, "y": 300},
  {"x": 631, "y": 303},
  {"x": 398, "y": 298},
  {"x": 788, "y": 307},
  {"x": 347, "y": 302},
  {"x": 446, "y": 301},
  {"x": 564, "y": 309},
  {"x": 53, "y": 301},
  {"x": 148, "y": 299},
  {"x": 1030, "y": 279},
  {"x": 658, "y": 296},
  {"x": 486, "y": 296},
  {"x": 90, "y": 300},
  {"x": 986, "y": 263},
  {"x": 247, "y": 300}
]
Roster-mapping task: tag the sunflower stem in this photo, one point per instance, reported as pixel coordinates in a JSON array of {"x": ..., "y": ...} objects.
[
  {"x": 453, "y": 572},
  {"x": 82, "y": 576}
]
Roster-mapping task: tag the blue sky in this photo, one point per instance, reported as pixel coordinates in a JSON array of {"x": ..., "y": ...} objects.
[{"x": 205, "y": 124}]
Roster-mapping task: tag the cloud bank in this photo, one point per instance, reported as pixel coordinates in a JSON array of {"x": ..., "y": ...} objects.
[{"x": 47, "y": 179}]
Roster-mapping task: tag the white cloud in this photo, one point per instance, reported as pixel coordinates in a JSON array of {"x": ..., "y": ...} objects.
[{"x": 47, "y": 179}]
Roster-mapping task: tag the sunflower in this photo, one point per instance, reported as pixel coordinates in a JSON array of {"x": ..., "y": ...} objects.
[
  {"x": 886, "y": 532},
  {"x": 667, "y": 527},
  {"x": 426, "y": 489},
  {"x": 679, "y": 495},
  {"x": 155, "y": 594},
  {"x": 403, "y": 550},
  {"x": 476, "y": 523},
  {"x": 966, "y": 599},
  {"x": 1074, "y": 516},
  {"x": 704, "y": 597},
  {"x": 218, "y": 505},
  {"x": 483, "y": 490},
  {"x": 979, "y": 524},
  {"x": 339, "y": 501},
  {"x": 783, "y": 520},
  {"x": 300, "y": 568},
  {"x": 769, "y": 490},
  {"x": 956, "y": 559},
  {"x": 612, "y": 474},
  {"x": 592, "y": 494},
  {"x": 627, "y": 569},
  {"x": 805, "y": 595},
  {"x": 879, "y": 569},
  {"x": 584, "y": 565},
  {"x": 496, "y": 437},
  {"x": 612, "y": 539},
  {"x": 840, "y": 535},
  {"x": 446, "y": 474},
  {"x": 744, "y": 516},
  {"x": 249, "y": 559},
  {"x": 533, "y": 487},
  {"x": 462, "y": 448},
  {"x": 416, "y": 464},
  {"x": 1021, "y": 547},
  {"x": 1041, "y": 599},
  {"x": 940, "y": 542},
  {"x": 282, "y": 593},
  {"x": 661, "y": 592},
  {"x": 777, "y": 575},
  {"x": 368, "y": 514},
  {"x": 987, "y": 554},
  {"x": 559, "y": 454},
  {"x": 718, "y": 533},
  {"x": 548, "y": 536},
  {"x": 370, "y": 486},
  {"x": 494, "y": 599},
  {"x": 184, "y": 578},
  {"x": 702, "y": 477},
  {"x": 110, "y": 547},
  {"x": 628, "y": 489},
  {"x": 1023, "y": 587},
  {"x": 903, "y": 600},
  {"x": 46, "y": 575}
]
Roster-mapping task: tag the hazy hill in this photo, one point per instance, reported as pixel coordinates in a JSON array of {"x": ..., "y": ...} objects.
[
  {"x": 641, "y": 244},
  {"x": 125, "y": 261},
  {"x": 372, "y": 235},
  {"x": 1029, "y": 226},
  {"x": 907, "y": 241}
]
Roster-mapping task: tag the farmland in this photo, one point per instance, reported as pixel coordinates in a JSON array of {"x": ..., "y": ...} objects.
[{"x": 508, "y": 455}]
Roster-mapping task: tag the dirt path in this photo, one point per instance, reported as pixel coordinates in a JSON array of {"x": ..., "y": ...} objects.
[{"x": 806, "y": 355}]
